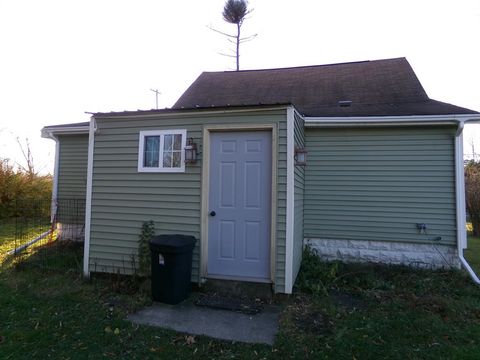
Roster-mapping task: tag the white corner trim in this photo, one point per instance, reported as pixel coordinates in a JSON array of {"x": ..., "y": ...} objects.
[
  {"x": 290, "y": 201},
  {"x": 88, "y": 202},
  {"x": 460, "y": 202}
]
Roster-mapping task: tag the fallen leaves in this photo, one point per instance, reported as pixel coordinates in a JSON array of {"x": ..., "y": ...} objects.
[
  {"x": 108, "y": 330},
  {"x": 189, "y": 340}
]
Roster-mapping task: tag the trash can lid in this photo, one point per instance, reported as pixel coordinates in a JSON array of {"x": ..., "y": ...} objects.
[{"x": 172, "y": 243}]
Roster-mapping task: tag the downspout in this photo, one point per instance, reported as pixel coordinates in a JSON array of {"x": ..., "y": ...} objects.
[
  {"x": 53, "y": 208},
  {"x": 460, "y": 201}
]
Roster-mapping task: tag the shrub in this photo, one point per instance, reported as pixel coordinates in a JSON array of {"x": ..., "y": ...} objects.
[
  {"x": 19, "y": 186},
  {"x": 316, "y": 276},
  {"x": 146, "y": 234}
]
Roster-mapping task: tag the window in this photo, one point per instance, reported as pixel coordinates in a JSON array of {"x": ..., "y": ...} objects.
[{"x": 162, "y": 151}]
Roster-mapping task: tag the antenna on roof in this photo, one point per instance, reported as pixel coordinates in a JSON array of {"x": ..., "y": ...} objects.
[{"x": 156, "y": 96}]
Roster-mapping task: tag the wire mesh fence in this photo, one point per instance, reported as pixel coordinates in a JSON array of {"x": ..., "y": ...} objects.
[{"x": 44, "y": 234}]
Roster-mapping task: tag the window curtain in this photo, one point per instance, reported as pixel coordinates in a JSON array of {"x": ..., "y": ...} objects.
[{"x": 151, "y": 151}]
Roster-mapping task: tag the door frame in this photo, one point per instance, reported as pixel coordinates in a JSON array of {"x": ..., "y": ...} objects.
[{"x": 207, "y": 129}]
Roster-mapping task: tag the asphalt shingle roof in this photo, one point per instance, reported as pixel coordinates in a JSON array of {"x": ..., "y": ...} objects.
[{"x": 370, "y": 88}]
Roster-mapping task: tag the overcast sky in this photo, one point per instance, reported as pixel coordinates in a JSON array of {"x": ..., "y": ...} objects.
[{"x": 62, "y": 58}]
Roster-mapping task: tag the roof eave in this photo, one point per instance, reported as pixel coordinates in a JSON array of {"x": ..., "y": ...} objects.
[
  {"x": 49, "y": 132},
  {"x": 408, "y": 120},
  {"x": 190, "y": 111}
]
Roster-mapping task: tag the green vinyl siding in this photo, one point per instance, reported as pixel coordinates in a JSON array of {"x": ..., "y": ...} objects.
[
  {"x": 378, "y": 183},
  {"x": 123, "y": 198},
  {"x": 72, "y": 166},
  {"x": 299, "y": 183}
]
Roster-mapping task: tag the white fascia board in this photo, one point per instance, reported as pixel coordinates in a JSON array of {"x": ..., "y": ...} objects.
[
  {"x": 410, "y": 120},
  {"x": 290, "y": 200},
  {"x": 88, "y": 201},
  {"x": 50, "y": 133}
]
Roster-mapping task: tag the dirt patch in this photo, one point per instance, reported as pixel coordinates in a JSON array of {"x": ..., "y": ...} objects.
[
  {"x": 238, "y": 304},
  {"x": 346, "y": 300},
  {"x": 305, "y": 316},
  {"x": 432, "y": 304}
]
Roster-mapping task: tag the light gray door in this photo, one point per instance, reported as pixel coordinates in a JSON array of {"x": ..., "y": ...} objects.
[{"x": 240, "y": 205}]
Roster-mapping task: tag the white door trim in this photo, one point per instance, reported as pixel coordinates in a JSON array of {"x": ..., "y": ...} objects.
[{"x": 207, "y": 129}]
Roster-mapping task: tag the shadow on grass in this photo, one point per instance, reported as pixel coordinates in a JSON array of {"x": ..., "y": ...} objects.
[{"x": 48, "y": 254}]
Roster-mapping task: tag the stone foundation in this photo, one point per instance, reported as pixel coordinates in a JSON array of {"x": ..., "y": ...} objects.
[
  {"x": 428, "y": 256},
  {"x": 71, "y": 232}
]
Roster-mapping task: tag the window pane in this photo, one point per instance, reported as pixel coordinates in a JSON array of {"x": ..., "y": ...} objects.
[
  {"x": 151, "y": 151},
  {"x": 177, "y": 142},
  {"x": 167, "y": 159},
  {"x": 177, "y": 158},
  {"x": 167, "y": 142}
]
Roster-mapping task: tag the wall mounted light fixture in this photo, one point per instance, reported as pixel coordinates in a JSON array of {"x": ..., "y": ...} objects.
[
  {"x": 190, "y": 152},
  {"x": 300, "y": 156}
]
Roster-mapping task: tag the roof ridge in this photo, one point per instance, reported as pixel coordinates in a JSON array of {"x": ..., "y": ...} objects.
[{"x": 304, "y": 66}]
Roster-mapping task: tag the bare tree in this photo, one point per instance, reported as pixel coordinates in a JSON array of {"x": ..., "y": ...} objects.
[
  {"x": 235, "y": 12},
  {"x": 29, "y": 169}
]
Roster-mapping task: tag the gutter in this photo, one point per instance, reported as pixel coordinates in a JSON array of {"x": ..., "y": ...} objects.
[
  {"x": 48, "y": 131},
  {"x": 189, "y": 112},
  {"x": 460, "y": 200},
  {"x": 410, "y": 120}
]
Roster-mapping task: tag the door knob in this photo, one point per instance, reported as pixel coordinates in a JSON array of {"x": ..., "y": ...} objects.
[{"x": 213, "y": 213}]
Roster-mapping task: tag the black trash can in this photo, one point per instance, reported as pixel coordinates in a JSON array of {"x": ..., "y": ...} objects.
[{"x": 171, "y": 267}]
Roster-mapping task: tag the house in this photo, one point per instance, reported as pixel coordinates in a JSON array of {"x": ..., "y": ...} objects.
[{"x": 383, "y": 179}]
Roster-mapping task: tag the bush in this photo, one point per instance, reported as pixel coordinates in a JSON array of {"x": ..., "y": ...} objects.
[
  {"x": 146, "y": 234},
  {"x": 21, "y": 187},
  {"x": 316, "y": 276}
]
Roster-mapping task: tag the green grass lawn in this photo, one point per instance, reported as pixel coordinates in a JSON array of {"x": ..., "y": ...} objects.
[
  {"x": 472, "y": 253},
  {"x": 7, "y": 231},
  {"x": 338, "y": 312},
  {"x": 13, "y": 235}
]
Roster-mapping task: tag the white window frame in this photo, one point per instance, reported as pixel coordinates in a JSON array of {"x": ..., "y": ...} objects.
[{"x": 161, "y": 134}]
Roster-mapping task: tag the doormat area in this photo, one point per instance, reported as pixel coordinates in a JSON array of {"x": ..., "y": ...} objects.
[{"x": 237, "y": 304}]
